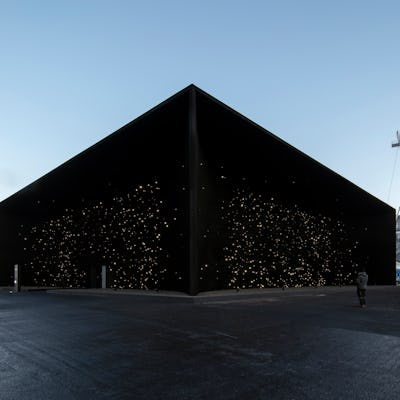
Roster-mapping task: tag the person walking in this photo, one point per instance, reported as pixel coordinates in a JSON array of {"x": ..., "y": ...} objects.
[{"x": 362, "y": 281}]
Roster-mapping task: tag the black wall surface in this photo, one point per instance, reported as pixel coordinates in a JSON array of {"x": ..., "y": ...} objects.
[
  {"x": 271, "y": 216},
  {"x": 192, "y": 196},
  {"x": 122, "y": 203}
]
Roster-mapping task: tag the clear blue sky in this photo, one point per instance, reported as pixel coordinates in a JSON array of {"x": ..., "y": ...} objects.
[{"x": 322, "y": 75}]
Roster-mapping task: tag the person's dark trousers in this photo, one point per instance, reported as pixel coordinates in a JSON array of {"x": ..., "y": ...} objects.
[{"x": 361, "y": 296}]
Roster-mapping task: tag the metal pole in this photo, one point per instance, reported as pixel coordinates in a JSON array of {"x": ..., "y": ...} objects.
[{"x": 103, "y": 276}]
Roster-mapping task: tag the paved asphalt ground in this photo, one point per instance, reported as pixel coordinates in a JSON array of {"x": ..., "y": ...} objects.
[{"x": 293, "y": 344}]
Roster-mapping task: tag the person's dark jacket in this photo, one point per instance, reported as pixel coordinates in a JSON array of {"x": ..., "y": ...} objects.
[{"x": 362, "y": 280}]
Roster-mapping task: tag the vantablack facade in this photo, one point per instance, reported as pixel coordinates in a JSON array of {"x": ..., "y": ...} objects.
[{"x": 192, "y": 196}]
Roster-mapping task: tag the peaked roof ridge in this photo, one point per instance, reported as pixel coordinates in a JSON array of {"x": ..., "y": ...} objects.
[{"x": 199, "y": 92}]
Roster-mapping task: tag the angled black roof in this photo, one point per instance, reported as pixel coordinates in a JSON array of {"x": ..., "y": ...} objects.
[{"x": 174, "y": 104}]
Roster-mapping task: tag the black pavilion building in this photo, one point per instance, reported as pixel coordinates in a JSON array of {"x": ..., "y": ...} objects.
[{"x": 192, "y": 196}]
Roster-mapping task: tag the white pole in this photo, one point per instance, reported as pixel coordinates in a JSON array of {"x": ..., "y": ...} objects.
[{"x": 17, "y": 278}]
